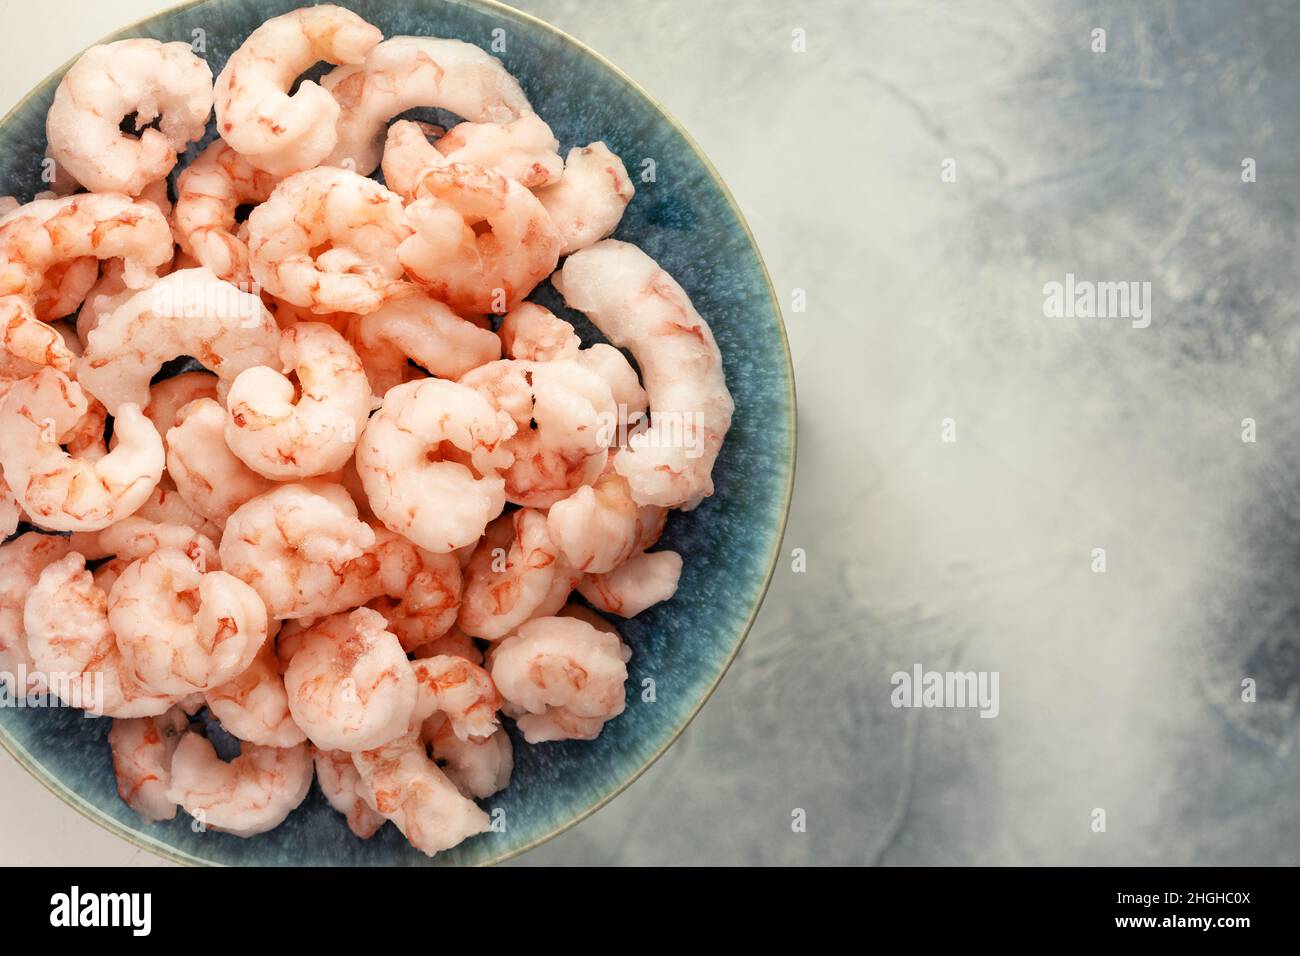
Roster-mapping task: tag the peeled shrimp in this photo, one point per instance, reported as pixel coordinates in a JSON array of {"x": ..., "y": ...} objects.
[
  {"x": 349, "y": 683},
  {"x": 587, "y": 203},
  {"x": 472, "y": 268},
  {"x": 430, "y": 460},
  {"x": 513, "y": 576},
  {"x": 635, "y": 584},
  {"x": 523, "y": 150},
  {"x": 108, "y": 292},
  {"x": 165, "y": 506},
  {"x": 565, "y": 674},
  {"x": 638, "y": 306},
  {"x": 453, "y": 643},
  {"x": 65, "y": 287},
  {"x": 208, "y": 475},
  {"x": 140, "y": 77},
  {"x": 21, "y": 562},
  {"x": 136, "y": 537},
  {"x": 183, "y": 630},
  {"x": 168, "y": 397},
  {"x": 341, "y": 785},
  {"x": 599, "y": 526},
  {"x": 357, "y": 222},
  {"x": 406, "y": 72},
  {"x": 460, "y": 692},
  {"x": 257, "y": 116},
  {"x": 253, "y": 793},
  {"x": 142, "y": 759},
  {"x": 208, "y": 196},
  {"x": 417, "y": 591},
  {"x": 479, "y": 767},
  {"x": 285, "y": 431},
  {"x": 190, "y": 312},
  {"x": 71, "y": 494},
  {"x": 254, "y": 706}
]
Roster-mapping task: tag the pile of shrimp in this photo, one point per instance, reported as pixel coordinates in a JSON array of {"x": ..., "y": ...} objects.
[{"x": 379, "y": 531}]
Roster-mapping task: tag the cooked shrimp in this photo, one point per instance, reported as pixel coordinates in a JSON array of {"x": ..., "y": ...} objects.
[
  {"x": 482, "y": 242},
  {"x": 407, "y": 72},
  {"x": 70, "y": 494},
  {"x": 587, "y": 203},
  {"x": 513, "y": 576},
  {"x": 208, "y": 475},
  {"x": 208, "y": 196},
  {"x": 524, "y": 150},
  {"x": 135, "y": 537},
  {"x": 479, "y": 767},
  {"x": 140, "y": 77},
  {"x": 350, "y": 685},
  {"x": 453, "y": 643},
  {"x": 285, "y": 430},
  {"x": 257, "y": 116},
  {"x": 355, "y": 221},
  {"x": 634, "y": 585},
  {"x": 254, "y": 706},
  {"x": 192, "y": 313},
  {"x": 168, "y": 397},
  {"x": 567, "y": 675},
  {"x": 430, "y": 460},
  {"x": 65, "y": 287},
  {"x": 183, "y": 630},
  {"x": 407, "y": 153},
  {"x": 638, "y": 306},
  {"x": 599, "y": 526},
  {"x": 142, "y": 761},
  {"x": 165, "y": 506},
  {"x": 108, "y": 292},
  {"x": 461, "y": 692},
  {"x": 21, "y": 562},
  {"x": 341, "y": 785},
  {"x": 250, "y": 795},
  {"x": 417, "y": 591}
]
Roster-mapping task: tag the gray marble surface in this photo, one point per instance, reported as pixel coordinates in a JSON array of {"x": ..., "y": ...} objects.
[{"x": 1120, "y": 690}]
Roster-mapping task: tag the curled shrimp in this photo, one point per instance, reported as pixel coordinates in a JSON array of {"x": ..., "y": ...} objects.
[
  {"x": 73, "y": 494},
  {"x": 523, "y": 150},
  {"x": 168, "y": 397},
  {"x": 208, "y": 196},
  {"x": 142, "y": 761},
  {"x": 600, "y": 526},
  {"x": 251, "y": 794},
  {"x": 349, "y": 683},
  {"x": 21, "y": 562},
  {"x": 65, "y": 288},
  {"x": 407, "y": 72},
  {"x": 634, "y": 585},
  {"x": 165, "y": 506},
  {"x": 108, "y": 292},
  {"x": 136, "y": 537},
  {"x": 190, "y": 312},
  {"x": 565, "y": 676},
  {"x": 183, "y": 630},
  {"x": 588, "y": 201},
  {"x": 341, "y": 785},
  {"x": 257, "y": 116},
  {"x": 254, "y": 705},
  {"x": 285, "y": 431},
  {"x": 211, "y": 479},
  {"x": 140, "y": 77},
  {"x": 637, "y": 305},
  {"x": 429, "y": 461},
  {"x": 478, "y": 766},
  {"x": 459, "y": 691},
  {"x": 453, "y": 642},
  {"x": 417, "y": 591},
  {"x": 357, "y": 222},
  {"x": 481, "y": 241}
]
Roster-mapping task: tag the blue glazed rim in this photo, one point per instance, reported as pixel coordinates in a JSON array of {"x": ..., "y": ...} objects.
[{"x": 163, "y": 849}]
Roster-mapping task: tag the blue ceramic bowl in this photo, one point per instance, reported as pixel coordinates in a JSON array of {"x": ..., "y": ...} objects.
[{"x": 687, "y": 221}]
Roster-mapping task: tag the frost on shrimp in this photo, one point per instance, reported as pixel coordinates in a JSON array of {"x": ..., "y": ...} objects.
[
  {"x": 282, "y": 431},
  {"x": 190, "y": 312},
  {"x": 341, "y": 785},
  {"x": 141, "y": 77},
  {"x": 71, "y": 494},
  {"x": 208, "y": 475},
  {"x": 253, "y": 793},
  {"x": 208, "y": 196},
  {"x": 565, "y": 676},
  {"x": 142, "y": 758},
  {"x": 429, "y": 461},
  {"x": 357, "y": 222},
  {"x": 588, "y": 202},
  {"x": 256, "y": 115},
  {"x": 638, "y": 306},
  {"x": 254, "y": 706},
  {"x": 403, "y": 73},
  {"x": 21, "y": 562}
]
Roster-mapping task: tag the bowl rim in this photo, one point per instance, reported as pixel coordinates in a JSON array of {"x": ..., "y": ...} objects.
[{"x": 143, "y": 841}]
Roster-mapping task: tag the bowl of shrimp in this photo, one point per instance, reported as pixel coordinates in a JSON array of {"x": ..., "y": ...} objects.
[{"x": 396, "y": 430}]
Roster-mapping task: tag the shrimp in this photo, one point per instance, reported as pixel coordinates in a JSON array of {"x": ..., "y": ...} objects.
[
  {"x": 65, "y": 287},
  {"x": 401, "y": 783},
  {"x": 142, "y": 761},
  {"x": 587, "y": 203},
  {"x": 183, "y": 630},
  {"x": 357, "y": 222},
  {"x": 634, "y": 585},
  {"x": 599, "y": 526},
  {"x": 190, "y": 312},
  {"x": 453, "y": 643},
  {"x": 523, "y": 150},
  {"x": 135, "y": 537},
  {"x": 69, "y": 634},
  {"x": 108, "y": 292},
  {"x": 420, "y": 328},
  {"x": 142, "y": 78},
  {"x": 638, "y": 306},
  {"x": 253, "y": 793},
  {"x": 564, "y": 676},
  {"x": 208, "y": 196},
  {"x": 282, "y": 430},
  {"x": 279, "y": 132},
  {"x": 168, "y": 397},
  {"x": 407, "y": 72},
  {"x": 254, "y": 706},
  {"x": 416, "y": 591},
  {"x": 211, "y": 479},
  {"x": 429, "y": 461},
  {"x": 341, "y": 785},
  {"x": 292, "y": 545},
  {"x": 71, "y": 494},
  {"x": 481, "y": 242},
  {"x": 47, "y": 232},
  {"x": 349, "y": 683},
  {"x": 166, "y": 506},
  {"x": 460, "y": 692},
  {"x": 21, "y": 562},
  {"x": 564, "y": 417},
  {"x": 479, "y": 767}
]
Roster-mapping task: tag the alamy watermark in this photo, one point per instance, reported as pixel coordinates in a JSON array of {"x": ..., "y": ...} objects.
[
  {"x": 1085, "y": 299},
  {"x": 922, "y": 688}
]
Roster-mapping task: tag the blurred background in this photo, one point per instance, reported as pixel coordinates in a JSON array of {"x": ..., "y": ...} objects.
[{"x": 920, "y": 170}]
